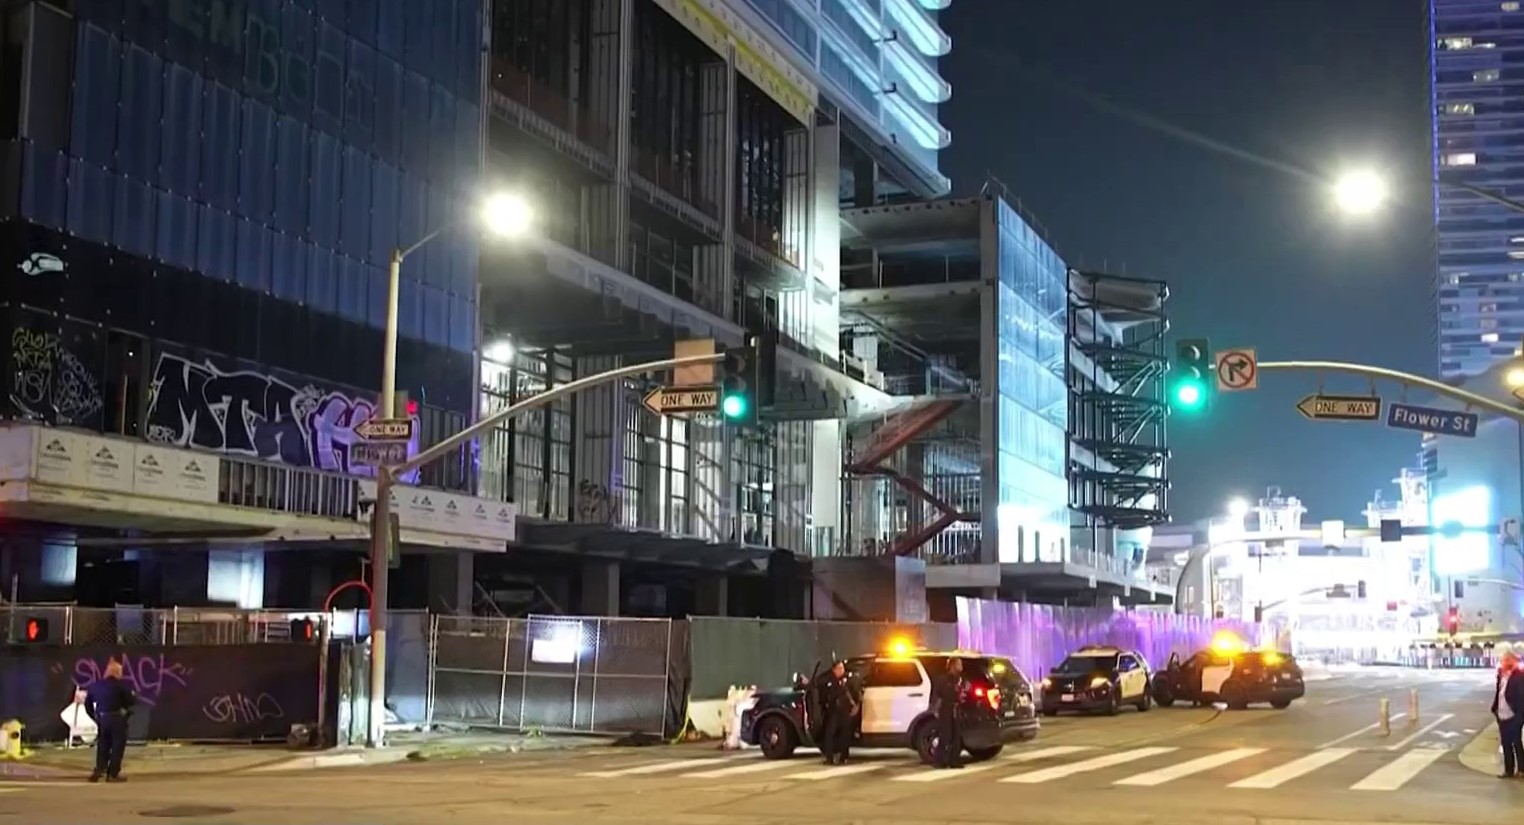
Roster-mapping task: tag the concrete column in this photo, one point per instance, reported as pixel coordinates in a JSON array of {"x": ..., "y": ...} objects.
[
  {"x": 712, "y": 595},
  {"x": 452, "y": 582},
  {"x": 600, "y": 588}
]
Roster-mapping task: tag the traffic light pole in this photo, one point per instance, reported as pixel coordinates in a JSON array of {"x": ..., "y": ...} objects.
[
  {"x": 386, "y": 478},
  {"x": 1368, "y": 371}
]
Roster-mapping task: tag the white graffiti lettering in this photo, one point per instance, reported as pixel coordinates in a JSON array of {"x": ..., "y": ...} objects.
[
  {"x": 241, "y": 708},
  {"x": 253, "y": 414},
  {"x": 49, "y": 382}
]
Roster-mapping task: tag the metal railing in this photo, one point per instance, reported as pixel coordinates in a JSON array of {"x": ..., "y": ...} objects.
[
  {"x": 266, "y": 486},
  {"x": 67, "y": 624}
]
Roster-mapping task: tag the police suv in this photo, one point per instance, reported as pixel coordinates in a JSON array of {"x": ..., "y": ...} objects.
[{"x": 995, "y": 707}]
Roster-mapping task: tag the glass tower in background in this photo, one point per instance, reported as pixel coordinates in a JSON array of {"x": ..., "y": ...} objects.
[{"x": 1477, "y": 63}]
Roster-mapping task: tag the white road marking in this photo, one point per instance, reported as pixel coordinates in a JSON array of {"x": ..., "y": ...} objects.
[
  {"x": 1194, "y": 766},
  {"x": 1275, "y": 777},
  {"x": 834, "y": 771},
  {"x": 1394, "y": 775},
  {"x": 1368, "y": 728},
  {"x": 935, "y": 775},
  {"x": 1046, "y": 753},
  {"x": 1095, "y": 764},
  {"x": 11, "y": 790},
  {"x": 1420, "y": 732},
  {"x": 655, "y": 767},
  {"x": 758, "y": 766}
]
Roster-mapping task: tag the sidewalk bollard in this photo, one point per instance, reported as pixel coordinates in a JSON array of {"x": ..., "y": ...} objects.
[
  {"x": 1413, "y": 706},
  {"x": 1386, "y": 717}
]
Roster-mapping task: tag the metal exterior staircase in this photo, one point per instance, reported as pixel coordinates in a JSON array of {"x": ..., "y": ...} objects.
[{"x": 891, "y": 437}]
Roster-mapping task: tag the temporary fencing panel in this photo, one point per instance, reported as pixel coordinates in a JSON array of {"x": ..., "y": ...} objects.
[
  {"x": 203, "y": 692},
  {"x": 767, "y": 652},
  {"x": 556, "y": 673}
]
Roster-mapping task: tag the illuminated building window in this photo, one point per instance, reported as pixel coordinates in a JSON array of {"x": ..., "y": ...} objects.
[
  {"x": 1456, "y": 42},
  {"x": 1460, "y": 108},
  {"x": 1485, "y": 75},
  {"x": 1489, "y": 337},
  {"x": 1510, "y": 5},
  {"x": 1460, "y": 159}
]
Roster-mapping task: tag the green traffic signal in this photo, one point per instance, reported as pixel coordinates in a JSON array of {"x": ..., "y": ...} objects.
[
  {"x": 1189, "y": 394},
  {"x": 734, "y": 406}
]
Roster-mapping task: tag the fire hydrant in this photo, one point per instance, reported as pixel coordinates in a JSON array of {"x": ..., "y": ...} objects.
[{"x": 10, "y": 740}]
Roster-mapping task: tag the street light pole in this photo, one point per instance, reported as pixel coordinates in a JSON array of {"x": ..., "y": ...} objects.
[
  {"x": 386, "y": 478},
  {"x": 504, "y": 214},
  {"x": 380, "y": 517}
]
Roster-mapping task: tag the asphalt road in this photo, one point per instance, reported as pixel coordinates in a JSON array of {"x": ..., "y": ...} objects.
[{"x": 1322, "y": 760}]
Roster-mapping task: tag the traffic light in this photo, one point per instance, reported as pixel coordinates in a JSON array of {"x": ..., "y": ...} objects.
[
  {"x": 34, "y": 630},
  {"x": 1360, "y": 589},
  {"x": 747, "y": 380},
  {"x": 1191, "y": 375},
  {"x": 302, "y": 630},
  {"x": 1452, "y": 621},
  {"x": 1259, "y": 614}
]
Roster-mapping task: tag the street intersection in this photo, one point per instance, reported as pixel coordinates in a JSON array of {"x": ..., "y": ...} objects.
[{"x": 1325, "y": 759}]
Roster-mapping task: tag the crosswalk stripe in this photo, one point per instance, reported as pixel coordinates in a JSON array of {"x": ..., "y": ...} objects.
[
  {"x": 1046, "y": 753},
  {"x": 655, "y": 767},
  {"x": 1395, "y": 774},
  {"x": 736, "y": 770},
  {"x": 1275, "y": 777},
  {"x": 11, "y": 790},
  {"x": 1095, "y": 764},
  {"x": 935, "y": 775},
  {"x": 834, "y": 771},
  {"x": 1193, "y": 766}
]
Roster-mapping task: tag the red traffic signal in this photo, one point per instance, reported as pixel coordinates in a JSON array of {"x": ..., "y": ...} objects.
[
  {"x": 35, "y": 630},
  {"x": 302, "y": 630}
]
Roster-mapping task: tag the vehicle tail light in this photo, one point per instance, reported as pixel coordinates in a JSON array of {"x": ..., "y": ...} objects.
[{"x": 991, "y": 695}]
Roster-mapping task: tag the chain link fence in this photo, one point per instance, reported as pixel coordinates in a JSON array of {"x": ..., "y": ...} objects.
[
  {"x": 556, "y": 673},
  {"x": 65, "y": 624}
]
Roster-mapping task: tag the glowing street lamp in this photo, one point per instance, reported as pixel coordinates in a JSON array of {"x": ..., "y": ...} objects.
[
  {"x": 1360, "y": 192},
  {"x": 1238, "y": 507}
]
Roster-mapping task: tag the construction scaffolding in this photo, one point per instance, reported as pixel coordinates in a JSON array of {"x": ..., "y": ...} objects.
[{"x": 1118, "y": 455}]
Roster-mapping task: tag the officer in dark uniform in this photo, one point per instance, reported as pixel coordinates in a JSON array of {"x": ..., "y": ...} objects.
[
  {"x": 838, "y": 707},
  {"x": 109, "y": 702},
  {"x": 945, "y": 693}
]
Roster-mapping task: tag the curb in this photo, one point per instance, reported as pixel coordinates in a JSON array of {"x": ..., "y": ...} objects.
[{"x": 1481, "y": 753}]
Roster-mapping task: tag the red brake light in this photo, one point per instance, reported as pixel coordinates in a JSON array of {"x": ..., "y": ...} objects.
[
  {"x": 992, "y": 696},
  {"x": 33, "y": 630}
]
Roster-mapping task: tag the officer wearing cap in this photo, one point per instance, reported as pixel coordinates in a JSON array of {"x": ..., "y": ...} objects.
[{"x": 838, "y": 707}]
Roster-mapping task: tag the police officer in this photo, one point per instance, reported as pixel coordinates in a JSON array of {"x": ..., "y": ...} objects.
[
  {"x": 109, "y": 702},
  {"x": 838, "y": 707},
  {"x": 945, "y": 693}
]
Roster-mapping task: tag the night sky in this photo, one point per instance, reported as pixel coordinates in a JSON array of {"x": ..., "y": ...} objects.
[{"x": 1252, "y": 251}]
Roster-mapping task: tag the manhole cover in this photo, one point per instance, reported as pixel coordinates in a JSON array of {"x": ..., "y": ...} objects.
[{"x": 184, "y": 811}]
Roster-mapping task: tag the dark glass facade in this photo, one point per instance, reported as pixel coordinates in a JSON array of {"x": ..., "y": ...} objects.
[{"x": 225, "y": 179}]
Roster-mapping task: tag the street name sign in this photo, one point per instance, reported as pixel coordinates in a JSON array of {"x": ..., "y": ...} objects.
[
  {"x": 671, "y": 400},
  {"x": 1237, "y": 369},
  {"x": 386, "y": 429},
  {"x": 1340, "y": 407},
  {"x": 1431, "y": 420},
  {"x": 378, "y": 453}
]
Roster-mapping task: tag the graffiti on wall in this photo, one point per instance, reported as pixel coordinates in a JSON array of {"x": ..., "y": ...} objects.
[
  {"x": 200, "y": 405},
  {"x": 150, "y": 676},
  {"x": 49, "y": 382},
  {"x": 242, "y": 708},
  {"x": 595, "y": 504},
  {"x": 232, "y": 692}
]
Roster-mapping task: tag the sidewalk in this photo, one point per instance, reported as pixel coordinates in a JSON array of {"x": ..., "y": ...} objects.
[
  {"x": 168, "y": 759},
  {"x": 1482, "y": 753}
]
